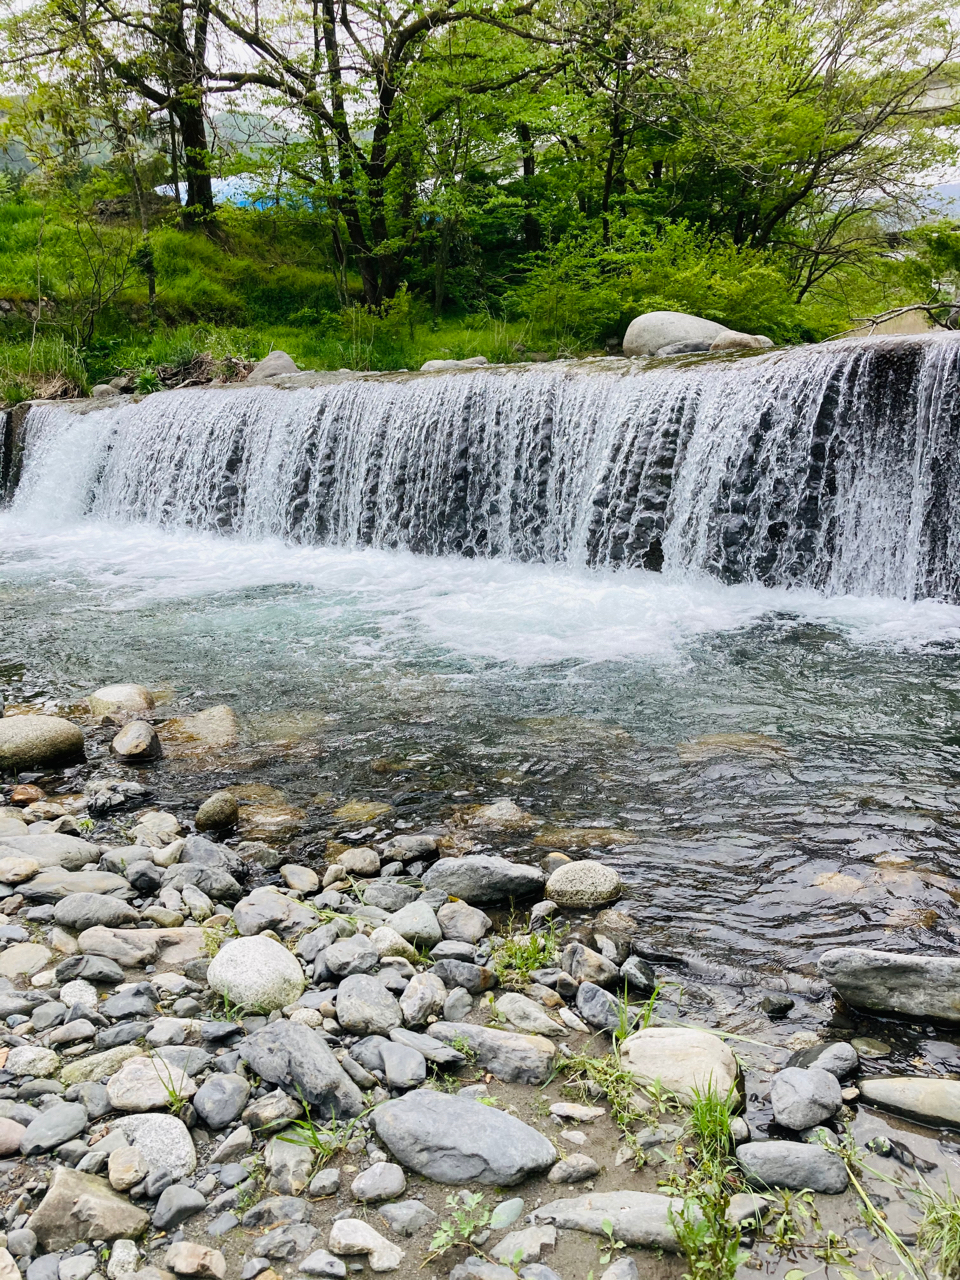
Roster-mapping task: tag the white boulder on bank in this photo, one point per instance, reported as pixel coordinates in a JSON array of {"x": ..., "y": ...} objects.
[
  {"x": 38, "y": 741},
  {"x": 256, "y": 973},
  {"x": 648, "y": 333}
]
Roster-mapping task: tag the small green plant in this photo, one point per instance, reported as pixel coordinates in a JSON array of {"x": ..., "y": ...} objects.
[
  {"x": 86, "y": 825},
  {"x": 468, "y": 1216},
  {"x": 939, "y": 1232},
  {"x": 147, "y": 381},
  {"x": 327, "y": 1140},
  {"x": 176, "y": 1100},
  {"x": 787, "y": 1226},
  {"x": 611, "y": 1243},
  {"x": 521, "y": 953}
]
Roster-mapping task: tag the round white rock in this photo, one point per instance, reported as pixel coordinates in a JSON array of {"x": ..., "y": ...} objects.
[
  {"x": 583, "y": 884},
  {"x": 256, "y": 973}
]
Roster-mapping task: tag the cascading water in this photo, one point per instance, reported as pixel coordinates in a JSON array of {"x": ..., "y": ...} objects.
[{"x": 834, "y": 467}]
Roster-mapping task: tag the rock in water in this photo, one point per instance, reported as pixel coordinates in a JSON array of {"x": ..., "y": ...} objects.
[
  {"x": 804, "y": 1098},
  {"x": 218, "y": 812},
  {"x": 915, "y": 986},
  {"x": 655, "y": 329},
  {"x": 256, "y": 973},
  {"x": 935, "y": 1102},
  {"x": 301, "y": 1063},
  {"x": 482, "y": 878},
  {"x": 583, "y": 884},
  {"x": 795, "y": 1165},
  {"x": 455, "y": 1140},
  {"x": 116, "y": 698},
  {"x": 684, "y": 1060},
  {"x": 637, "y": 1217},
  {"x": 135, "y": 742},
  {"x": 78, "y": 1206},
  {"x": 38, "y": 742}
]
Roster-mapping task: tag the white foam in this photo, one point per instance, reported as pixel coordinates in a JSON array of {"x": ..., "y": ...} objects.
[{"x": 396, "y": 604}]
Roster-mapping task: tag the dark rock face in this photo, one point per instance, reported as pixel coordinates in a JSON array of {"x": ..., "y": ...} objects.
[{"x": 299, "y": 1061}]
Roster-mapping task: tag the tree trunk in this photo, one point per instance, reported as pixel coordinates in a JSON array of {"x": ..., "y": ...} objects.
[{"x": 196, "y": 163}]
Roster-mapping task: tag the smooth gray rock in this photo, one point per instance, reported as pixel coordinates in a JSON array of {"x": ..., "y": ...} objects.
[
  {"x": 325, "y": 1183},
  {"x": 286, "y": 1242},
  {"x": 382, "y": 1181},
  {"x": 914, "y": 986},
  {"x": 404, "y": 1068},
  {"x": 38, "y": 742},
  {"x": 56, "y": 1125},
  {"x": 277, "y": 1209},
  {"x": 637, "y": 1217},
  {"x": 454, "y": 951},
  {"x": 481, "y": 1269},
  {"x": 804, "y": 1098},
  {"x": 794, "y": 1165},
  {"x": 423, "y": 996},
  {"x": 221, "y": 1099},
  {"x": 137, "y": 742},
  {"x": 216, "y": 883},
  {"x": 622, "y": 1269},
  {"x": 457, "y": 1005},
  {"x": 935, "y": 1102},
  {"x": 351, "y": 955},
  {"x": 638, "y": 977},
  {"x": 407, "y": 1217},
  {"x": 586, "y": 965},
  {"x": 176, "y": 1205},
  {"x": 289, "y": 1161},
  {"x": 52, "y": 885},
  {"x": 601, "y": 1009},
  {"x": 84, "y": 910},
  {"x": 96, "y": 969},
  {"x": 482, "y": 878},
  {"x": 266, "y": 908},
  {"x": 298, "y": 1060},
  {"x": 655, "y": 329},
  {"x": 511, "y": 1057},
  {"x": 506, "y": 1213},
  {"x": 321, "y": 1263},
  {"x": 456, "y": 1140},
  {"x": 837, "y": 1057},
  {"x": 366, "y": 1007},
  {"x": 417, "y": 924},
  {"x": 460, "y": 922}
]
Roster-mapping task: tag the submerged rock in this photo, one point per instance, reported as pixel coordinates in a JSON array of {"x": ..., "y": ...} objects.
[
  {"x": 912, "y": 985},
  {"x": 454, "y": 1140}
]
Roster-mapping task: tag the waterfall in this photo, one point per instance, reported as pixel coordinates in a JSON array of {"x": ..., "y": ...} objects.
[{"x": 832, "y": 466}]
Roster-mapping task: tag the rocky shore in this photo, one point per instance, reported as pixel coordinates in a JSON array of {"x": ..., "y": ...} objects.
[{"x": 225, "y": 1057}]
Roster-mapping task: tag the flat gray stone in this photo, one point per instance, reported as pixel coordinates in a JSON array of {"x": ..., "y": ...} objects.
[
  {"x": 637, "y": 1217},
  {"x": 176, "y": 1205},
  {"x": 51, "y": 850},
  {"x": 837, "y": 1057},
  {"x": 417, "y": 924},
  {"x": 483, "y": 878},
  {"x": 460, "y": 922},
  {"x": 163, "y": 1141},
  {"x": 511, "y": 1057},
  {"x": 56, "y": 1125},
  {"x": 456, "y": 1140},
  {"x": 221, "y": 1099},
  {"x": 407, "y": 1217},
  {"x": 382, "y": 1181},
  {"x": 322, "y": 1263},
  {"x": 351, "y": 955},
  {"x": 433, "y": 1050},
  {"x": 914, "y": 986},
  {"x": 796, "y": 1166},
  {"x": 84, "y": 910}
]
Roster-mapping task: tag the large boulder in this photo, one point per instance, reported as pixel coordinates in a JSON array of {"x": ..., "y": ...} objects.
[
  {"x": 30, "y": 742},
  {"x": 684, "y": 1060},
  {"x": 298, "y": 1060},
  {"x": 455, "y": 1140},
  {"x": 276, "y": 365},
  {"x": 655, "y": 329},
  {"x": 920, "y": 987},
  {"x": 79, "y": 1206},
  {"x": 484, "y": 878},
  {"x": 934, "y": 1102},
  {"x": 52, "y": 849},
  {"x": 256, "y": 973}
]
